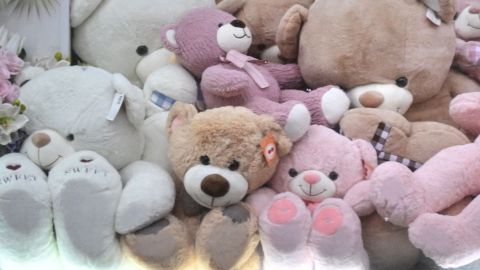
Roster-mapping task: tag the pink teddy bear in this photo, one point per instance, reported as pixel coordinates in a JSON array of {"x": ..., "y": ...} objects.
[
  {"x": 467, "y": 27},
  {"x": 307, "y": 225},
  {"x": 211, "y": 44}
]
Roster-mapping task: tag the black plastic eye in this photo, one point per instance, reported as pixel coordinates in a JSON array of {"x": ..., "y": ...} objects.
[
  {"x": 333, "y": 176},
  {"x": 70, "y": 137},
  {"x": 205, "y": 160},
  {"x": 456, "y": 16},
  {"x": 220, "y": 25},
  {"x": 234, "y": 165},
  {"x": 22, "y": 54},
  {"x": 401, "y": 82},
  {"x": 142, "y": 50},
  {"x": 292, "y": 172}
]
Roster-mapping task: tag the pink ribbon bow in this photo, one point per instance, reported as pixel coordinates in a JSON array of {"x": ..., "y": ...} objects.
[{"x": 242, "y": 61}]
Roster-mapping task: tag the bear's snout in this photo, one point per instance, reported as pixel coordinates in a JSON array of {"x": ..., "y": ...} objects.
[
  {"x": 371, "y": 99},
  {"x": 40, "y": 139},
  {"x": 238, "y": 24},
  {"x": 215, "y": 185}
]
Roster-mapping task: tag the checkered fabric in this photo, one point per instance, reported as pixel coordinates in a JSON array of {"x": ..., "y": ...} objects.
[
  {"x": 380, "y": 138},
  {"x": 161, "y": 100}
]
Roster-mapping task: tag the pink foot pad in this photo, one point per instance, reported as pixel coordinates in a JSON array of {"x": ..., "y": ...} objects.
[
  {"x": 282, "y": 211},
  {"x": 328, "y": 220}
]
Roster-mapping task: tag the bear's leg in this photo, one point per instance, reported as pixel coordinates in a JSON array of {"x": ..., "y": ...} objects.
[
  {"x": 227, "y": 237},
  {"x": 292, "y": 115},
  {"x": 284, "y": 228},
  {"x": 26, "y": 226},
  {"x": 451, "y": 241},
  {"x": 166, "y": 244},
  {"x": 394, "y": 194},
  {"x": 336, "y": 237},
  {"x": 326, "y": 104},
  {"x": 85, "y": 193}
]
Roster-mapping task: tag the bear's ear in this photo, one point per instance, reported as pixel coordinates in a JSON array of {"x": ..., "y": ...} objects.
[
  {"x": 80, "y": 10},
  {"x": 230, "y": 6},
  {"x": 368, "y": 155},
  {"x": 446, "y": 9},
  {"x": 268, "y": 125},
  {"x": 134, "y": 101},
  {"x": 168, "y": 35},
  {"x": 180, "y": 115},
  {"x": 288, "y": 33}
]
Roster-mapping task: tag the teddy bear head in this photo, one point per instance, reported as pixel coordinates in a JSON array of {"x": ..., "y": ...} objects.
[
  {"x": 324, "y": 164},
  {"x": 467, "y": 23},
  {"x": 70, "y": 109},
  {"x": 262, "y": 17},
  {"x": 203, "y": 36},
  {"x": 223, "y": 154},
  {"x": 390, "y": 42},
  {"x": 116, "y": 34}
]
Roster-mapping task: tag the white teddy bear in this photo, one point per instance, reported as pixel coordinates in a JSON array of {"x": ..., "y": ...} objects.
[
  {"x": 79, "y": 108},
  {"x": 116, "y": 34}
]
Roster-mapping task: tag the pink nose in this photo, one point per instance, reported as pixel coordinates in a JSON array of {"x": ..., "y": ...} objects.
[{"x": 311, "y": 178}]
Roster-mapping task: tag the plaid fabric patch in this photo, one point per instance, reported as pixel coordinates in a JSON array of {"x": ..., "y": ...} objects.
[
  {"x": 161, "y": 100},
  {"x": 380, "y": 138}
]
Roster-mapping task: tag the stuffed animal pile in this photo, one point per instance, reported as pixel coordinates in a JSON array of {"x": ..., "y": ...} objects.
[{"x": 246, "y": 135}]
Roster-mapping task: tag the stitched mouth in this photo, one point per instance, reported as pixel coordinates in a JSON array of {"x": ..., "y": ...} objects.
[
  {"x": 212, "y": 201},
  {"x": 309, "y": 193},
  {"x": 53, "y": 162},
  {"x": 244, "y": 35},
  {"x": 474, "y": 27}
]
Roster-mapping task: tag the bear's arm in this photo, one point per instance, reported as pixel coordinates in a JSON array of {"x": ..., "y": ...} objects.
[
  {"x": 288, "y": 76},
  {"x": 358, "y": 197},
  {"x": 458, "y": 83}
]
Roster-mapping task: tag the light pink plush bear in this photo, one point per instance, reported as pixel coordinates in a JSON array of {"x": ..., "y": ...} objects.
[
  {"x": 467, "y": 27},
  {"x": 414, "y": 199},
  {"x": 211, "y": 44},
  {"x": 304, "y": 223}
]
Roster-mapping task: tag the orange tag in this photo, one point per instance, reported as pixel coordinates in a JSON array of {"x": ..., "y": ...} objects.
[{"x": 269, "y": 149}]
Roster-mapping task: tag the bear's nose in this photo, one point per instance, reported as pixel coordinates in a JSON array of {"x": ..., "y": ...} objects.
[
  {"x": 311, "y": 178},
  {"x": 40, "y": 139},
  {"x": 215, "y": 185},
  {"x": 238, "y": 23},
  {"x": 371, "y": 99}
]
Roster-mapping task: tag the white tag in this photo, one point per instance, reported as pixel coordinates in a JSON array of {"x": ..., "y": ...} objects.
[
  {"x": 432, "y": 16},
  {"x": 116, "y": 105}
]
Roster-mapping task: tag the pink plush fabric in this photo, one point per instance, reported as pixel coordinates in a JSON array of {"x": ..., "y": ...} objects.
[
  {"x": 465, "y": 111},
  {"x": 327, "y": 231},
  {"x": 225, "y": 82},
  {"x": 413, "y": 199}
]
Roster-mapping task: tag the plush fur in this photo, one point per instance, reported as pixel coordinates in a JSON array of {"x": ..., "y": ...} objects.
[
  {"x": 221, "y": 144},
  {"x": 262, "y": 18},
  {"x": 209, "y": 43},
  {"x": 358, "y": 50}
]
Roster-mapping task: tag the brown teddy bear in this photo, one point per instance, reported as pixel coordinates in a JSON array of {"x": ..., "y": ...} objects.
[
  {"x": 218, "y": 156},
  {"x": 391, "y": 42},
  {"x": 262, "y": 17}
]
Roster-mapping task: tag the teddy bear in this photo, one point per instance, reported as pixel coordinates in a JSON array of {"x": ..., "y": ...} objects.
[
  {"x": 397, "y": 139},
  {"x": 86, "y": 108},
  {"x": 325, "y": 179},
  {"x": 467, "y": 26},
  {"x": 262, "y": 18},
  {"x": 218, "y": 156},
  {"x": 378, "y": 47},
  {"x": 413, "y": 200},
  {"x": 211, "y": 44},
  {"x": 116, "y": 34}
]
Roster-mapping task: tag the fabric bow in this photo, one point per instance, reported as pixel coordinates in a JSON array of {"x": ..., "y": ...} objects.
[{"x": 243, "y": 61}]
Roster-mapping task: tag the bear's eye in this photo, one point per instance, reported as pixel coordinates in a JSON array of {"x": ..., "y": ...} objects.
[
  {"x": 456, "y": 16},
  {"x": 70, "y": 137},
  {"x": 234, "y": 165},
  {"x": 205, "y": 160},
  {"x": 292, "y": 172},
  {"x": 142, "y": 50},
  {"x": 333, "y": 176},
  {"x": 220, "y": 25},
  {"x": 401, "y": 82}
]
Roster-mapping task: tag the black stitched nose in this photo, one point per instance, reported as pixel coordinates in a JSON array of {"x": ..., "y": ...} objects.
[
  {"x": 215, "y": 185},
  {"x": 238, "y": 23}
]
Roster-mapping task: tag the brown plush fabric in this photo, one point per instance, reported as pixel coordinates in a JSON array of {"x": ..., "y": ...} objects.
[
  {"x": 262, "y": 17},
  {"x": 375, "y": 41},
  {"x": 413, "y": 140}
]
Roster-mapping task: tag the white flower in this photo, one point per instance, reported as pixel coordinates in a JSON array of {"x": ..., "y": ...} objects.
[{"x": 10, "y": 121}]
